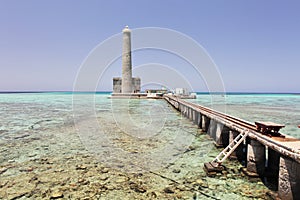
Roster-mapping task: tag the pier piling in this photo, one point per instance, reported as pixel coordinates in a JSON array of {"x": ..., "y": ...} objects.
[
  {"x": 256, "y": 158},
  {"x": 272, "y": 170},
  {"x": 289, "y": 179},
  {"x": 205, "y": 123}
]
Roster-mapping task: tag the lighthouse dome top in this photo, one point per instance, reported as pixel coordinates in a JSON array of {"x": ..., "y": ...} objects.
[{"x": 126, "y": 29}]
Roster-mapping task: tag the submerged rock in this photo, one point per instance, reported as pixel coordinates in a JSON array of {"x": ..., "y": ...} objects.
[
  {"x": 152, "y": 195},
  {"x": 3, "y": 169},
  {"x": 169, "y": 190},
  {"x": 56, "y": 195},
  {"x": 176, "y": 171},
  {"x": 103, "y": 177},
  {"x": 182, "y": 187},
  {"x": 137, "y": 188},
  {"x": 29, "y": 169},
  {"x": 81, "y": 167},
  {"x": 201, "y": 183},
  {"x": 121, "y": 179},
  {"x": 105, "y": 170}
]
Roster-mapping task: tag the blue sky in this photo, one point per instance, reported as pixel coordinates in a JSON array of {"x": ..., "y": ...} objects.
[{"x": 255, "y": 44}]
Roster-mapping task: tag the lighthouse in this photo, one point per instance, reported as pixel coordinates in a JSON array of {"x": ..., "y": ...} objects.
[
  {"x": 127, "y": 84},
  {"x": 126, "y": 62}
]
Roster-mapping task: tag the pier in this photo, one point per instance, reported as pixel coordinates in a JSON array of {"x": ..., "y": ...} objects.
[{"x": 276, "y": 156}]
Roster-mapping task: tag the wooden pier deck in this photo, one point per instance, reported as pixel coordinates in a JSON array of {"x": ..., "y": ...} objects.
[{"x": 283, "y": 151}]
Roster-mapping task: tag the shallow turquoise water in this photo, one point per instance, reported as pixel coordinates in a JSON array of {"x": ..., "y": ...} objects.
[
  {"x": 21, "y": 111},
  {"x": 138, "y": 130}
]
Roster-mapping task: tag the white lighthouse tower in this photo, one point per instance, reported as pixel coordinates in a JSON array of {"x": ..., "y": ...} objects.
[
  {"x": 127, "y": 84},
  {"x": 126, "y": 62}
]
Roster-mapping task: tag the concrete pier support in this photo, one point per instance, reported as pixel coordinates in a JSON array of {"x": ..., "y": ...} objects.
[
  {"x": 190, "y": 113},
  {"x": 184, "y": 111},
  {"x": 225, "y": 136},
  {"x": 187, "y": 112},
  {"x": 289, "y": 179},
  {"x": 194, "y": 116},
  {"x": 256, "y": 158},
  {"x": 199, "y": 119},
  {"x": 212, "y": 129},
  {"x": 238, "y": 153},
  {"x": 219, "y": 135},
  {"x": 272, "y": 171},
  {"x": 205, "y": 123}
]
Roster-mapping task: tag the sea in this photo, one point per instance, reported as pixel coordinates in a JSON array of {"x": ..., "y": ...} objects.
[{"x": 78, "y": 145}]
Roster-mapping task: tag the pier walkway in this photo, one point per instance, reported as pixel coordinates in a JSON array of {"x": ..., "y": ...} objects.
[{"x": 265, "y": 155}]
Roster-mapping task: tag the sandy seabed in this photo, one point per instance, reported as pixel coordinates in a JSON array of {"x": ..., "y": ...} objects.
[{"x": 53, "y": 164}]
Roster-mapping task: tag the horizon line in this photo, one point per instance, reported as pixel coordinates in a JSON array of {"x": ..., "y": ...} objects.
[{"x": 69, "y": 91}]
